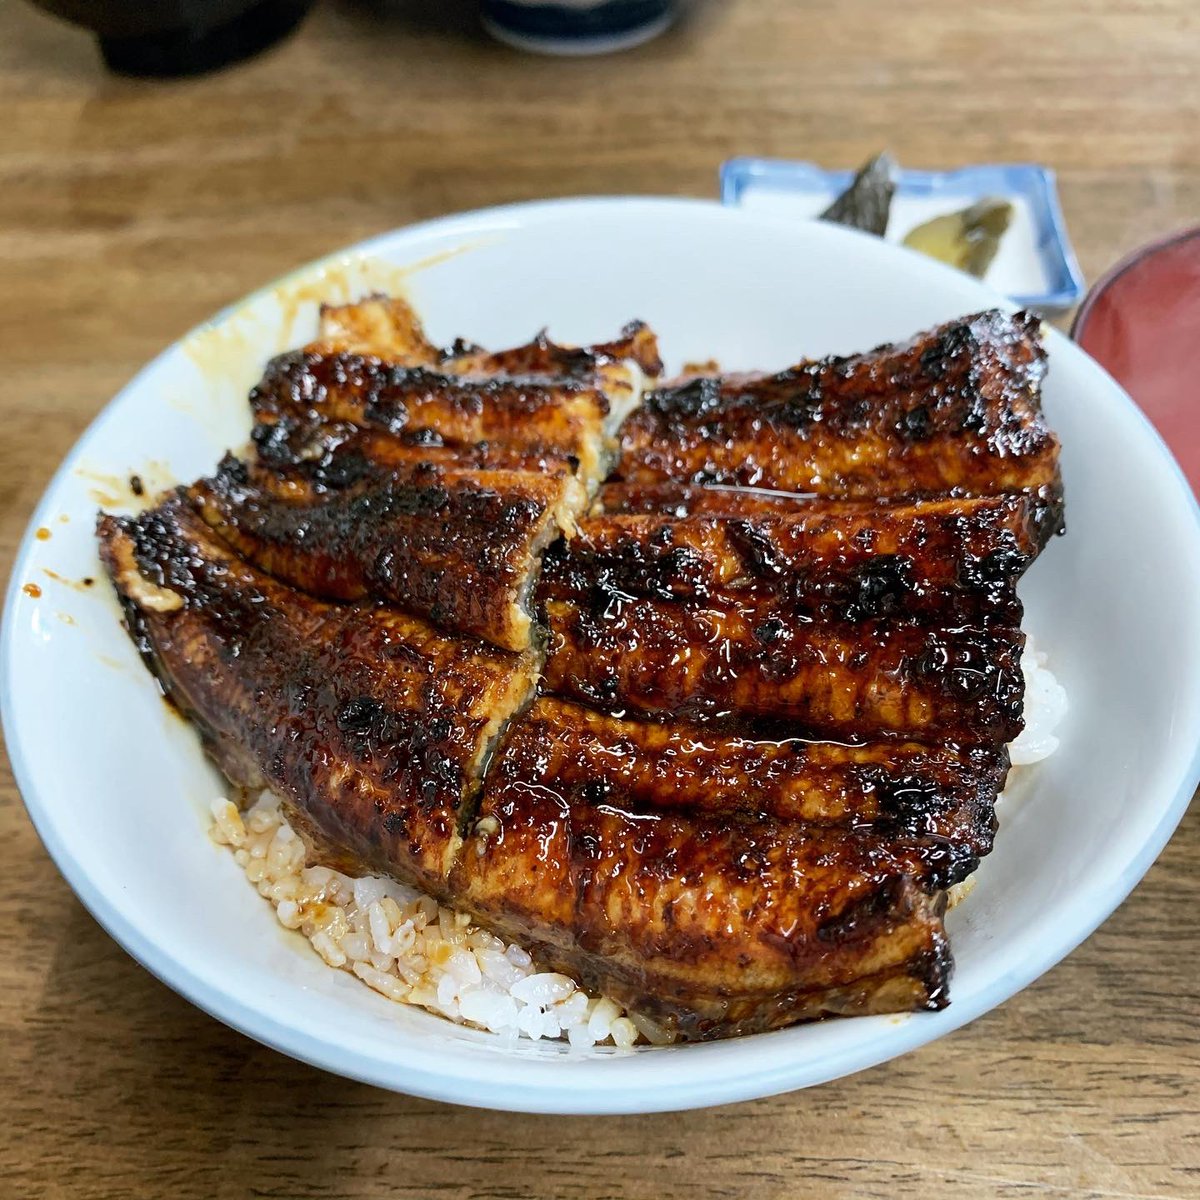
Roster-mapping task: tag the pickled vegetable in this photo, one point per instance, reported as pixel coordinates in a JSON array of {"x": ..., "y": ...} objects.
[{"x": 968, "y": 239}]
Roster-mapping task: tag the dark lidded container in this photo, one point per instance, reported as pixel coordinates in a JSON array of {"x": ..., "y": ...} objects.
[{"x": 180, "y": 37}]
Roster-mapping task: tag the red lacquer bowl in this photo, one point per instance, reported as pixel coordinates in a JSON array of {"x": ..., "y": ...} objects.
[{"x": 1141, "y": 322}]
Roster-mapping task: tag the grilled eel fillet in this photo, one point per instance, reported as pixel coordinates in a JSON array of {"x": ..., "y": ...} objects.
[
  {"x": 379, "y": 326},
  {"x": 387, "y": 328},
  {"x": 713, "y": 925},
  {"x": 459, "y": 547},
  {"x": 899, "y": 622},
  {"x": 304, "y": 392},
  {"x": 956, "y": 410},
  {"x": 373, "y": 371},
  {"x": 374, "y": 724},
  {"x": 376, "y": 729},
  {"x": 942, "y": 794},
  {"x": 431, "y": 479},
  {"x": 721, "y": 872}
]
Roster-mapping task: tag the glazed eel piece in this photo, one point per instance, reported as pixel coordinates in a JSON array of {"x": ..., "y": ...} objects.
[
  {"x": 730, "y": 500},
  {"x": 381, "y": 326},
  {"x": 304, "y": 392},
  {"x": 339, "y": 453},
  {"x": 897, "y": 623},
  {"x": 374, "y": 725},
  {"x": 459, "y": 547},
  {"x": 863, "y": 559},
  {"x": 386, "y": 327},
  {"x": 376, "y": 730},
  {"x": 901, "y": 789},
  {"x": 621, "y": 367},
  {"x": 957, "y": 409},
  {"x": 374, "y": 369},
  {"x": 714, "y": 924}
]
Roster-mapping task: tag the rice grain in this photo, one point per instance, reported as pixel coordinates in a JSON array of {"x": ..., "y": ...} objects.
[{"x": 405, "y": 946}]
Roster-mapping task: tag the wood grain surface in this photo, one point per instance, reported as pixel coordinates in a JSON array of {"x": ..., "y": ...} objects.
[{"x": 130, "y": 210}]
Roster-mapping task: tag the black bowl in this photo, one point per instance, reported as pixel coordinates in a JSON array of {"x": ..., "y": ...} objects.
[{"x": 180, "y": 37}]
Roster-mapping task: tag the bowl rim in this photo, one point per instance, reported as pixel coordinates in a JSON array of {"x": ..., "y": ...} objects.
[{"x": 596, "y": 1086}]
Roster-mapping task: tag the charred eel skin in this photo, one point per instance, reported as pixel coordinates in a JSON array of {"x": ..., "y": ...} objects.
[
  {"x": 386, "y": 327},
  {"x": 539, "y": 400},
  {"x": 958, "y": 409},
  {"x": 459, "y": 547},
  {"x": 851, "y": 559},
  {"x": 784, "y": 646},
  {"x": 715, "y": 924},
  {"x": 305, "y": 391},
  {"x": 374, "y": 725},
  {"x": 898, "y": 622},
  {"x": 903, "y": 789},
  {"x": 848, "y": 681},
  {"x": 375, "y": 728}
]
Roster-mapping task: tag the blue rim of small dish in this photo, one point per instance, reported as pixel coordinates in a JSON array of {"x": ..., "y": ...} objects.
[{"x": 1037, "y": 184}]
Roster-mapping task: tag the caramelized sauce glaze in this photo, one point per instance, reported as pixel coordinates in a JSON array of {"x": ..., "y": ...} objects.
[{"x": 781, "y": 659}]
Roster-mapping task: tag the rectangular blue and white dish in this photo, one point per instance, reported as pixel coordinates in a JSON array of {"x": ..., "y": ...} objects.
[{"x": 1035, "y": 266}]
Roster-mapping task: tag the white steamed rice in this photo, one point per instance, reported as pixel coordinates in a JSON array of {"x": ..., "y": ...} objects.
[
  {"x": 1045, "y": 707},
  {"x": 408, "y": 948},
  {"x": 411, "y": 950}
]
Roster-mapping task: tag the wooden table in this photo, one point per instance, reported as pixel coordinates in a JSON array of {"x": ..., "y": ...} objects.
[{"x": 130, "y": 210}]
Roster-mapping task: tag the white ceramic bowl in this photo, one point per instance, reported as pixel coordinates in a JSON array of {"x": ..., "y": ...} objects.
[{"x": 118, "y": 788}]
